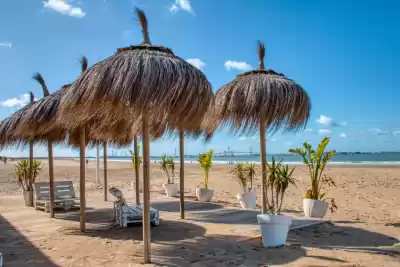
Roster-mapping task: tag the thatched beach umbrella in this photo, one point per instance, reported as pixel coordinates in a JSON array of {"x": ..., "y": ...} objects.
[
  {"x": 265, "y": 100},
  {"x": 42, "y": 119},
  {"x": 149, "y": 79}
]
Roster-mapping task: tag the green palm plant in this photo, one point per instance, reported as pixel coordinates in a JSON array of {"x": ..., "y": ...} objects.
[
  {"x": 205, "y": 160},
  {"x": 316, "y": 162},
  {"x": 171, "y": 166},
  {"x": 251, "y": 172},
  {"x": 21, "y": 172},
  {"x": 133, "y": 158},
  {"x": 282, "y": 182},
  {"x": 239, "y": 174},
  {"x": 164, "y": 166},
  {"x": 272, "y": 172}
]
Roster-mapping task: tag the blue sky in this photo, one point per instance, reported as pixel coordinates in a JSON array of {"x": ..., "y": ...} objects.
[{"x": 342, "y": 52}]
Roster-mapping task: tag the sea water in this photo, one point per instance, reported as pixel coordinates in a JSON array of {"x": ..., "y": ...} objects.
[{"x": 383, "y": 158}]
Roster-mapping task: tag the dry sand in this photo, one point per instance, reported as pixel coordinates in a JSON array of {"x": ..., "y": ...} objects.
[{"x": 365, "y": 230}]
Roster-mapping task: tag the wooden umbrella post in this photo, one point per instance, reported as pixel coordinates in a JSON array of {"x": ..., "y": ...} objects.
[
  {"x": 82, "y": 178},
  {"x": 137, "y": 180},
  {"x": 182, "y": 173},
  {"x": 97, "y": 164},
  {"x": 105, "y": 184},
  {"x": 31, "y": 173},
  {"x": 146, "y": 193},
  {"x": 263, "y": 163},
  {"x": 51, "y": 177}
]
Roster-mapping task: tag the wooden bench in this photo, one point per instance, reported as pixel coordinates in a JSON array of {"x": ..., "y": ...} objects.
[{"x": 64, "y": 195}]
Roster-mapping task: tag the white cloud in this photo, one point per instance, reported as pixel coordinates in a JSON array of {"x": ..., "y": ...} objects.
[
  {"x": 396, "y": 132},
  {"x": 343, "y": 135},
  {"x": 63, "y": 7},
  {"x": 308, "y": 130},
  {"x": 181, "y": 5},
  {"x": 377, "y": 131},
  {"x": 196, "y": 62},
  {"x": 273, "y": 140},
  {"x": 328, "y": 122},
  {"x": 288, "y": 143},
  {"x": 324, "y": 131},
  {"x": 239, "y": 65},
  {"x": 16, "y": 102},
  {"x": 242, "y": 138},
  {"x": 6, "y": 44}
]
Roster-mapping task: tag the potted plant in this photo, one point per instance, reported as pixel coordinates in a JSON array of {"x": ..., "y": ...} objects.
[
  {"x": 21, "y": 172},
  {"x": 274, "y": 226},
  {"x": 245, "y": 177},
  {"x": 205, "y": 194},
  {"x": 134, "y": 165},
  {"x": 167, "y": 164},
  {"x": 315, "y": 204}
]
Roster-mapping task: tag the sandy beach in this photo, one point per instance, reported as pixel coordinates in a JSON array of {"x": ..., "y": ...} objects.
[{"x": 364, "y": 231}]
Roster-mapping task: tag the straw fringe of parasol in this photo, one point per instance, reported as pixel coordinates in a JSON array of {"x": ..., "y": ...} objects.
[
  {"x": 172, "y": 86},
  {"x": 284, "y": 102}
]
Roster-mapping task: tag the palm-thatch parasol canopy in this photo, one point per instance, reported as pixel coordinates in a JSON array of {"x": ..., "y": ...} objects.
[
  {"x": 147, "y": 78},
  {"x": 284, "y": 102},
  {"x": 12, "y": 136},
  {"x": 142, "y": 80},
  {"x": 265, "y": 100}
]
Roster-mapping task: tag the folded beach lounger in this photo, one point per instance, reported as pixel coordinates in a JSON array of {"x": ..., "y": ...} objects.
[
  {"x": 130, "y": 213},
  {"x": 64, "y": 195}
]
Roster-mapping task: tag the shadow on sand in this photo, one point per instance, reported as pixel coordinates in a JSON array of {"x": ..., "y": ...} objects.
[
  {"x": 331, "y": 236},
  {"x": 166, "y": 231},
  {"x": 17, "y": 250}
]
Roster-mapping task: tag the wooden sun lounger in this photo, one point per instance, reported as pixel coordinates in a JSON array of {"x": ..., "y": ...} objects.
[{"x": 64, "y": 195}]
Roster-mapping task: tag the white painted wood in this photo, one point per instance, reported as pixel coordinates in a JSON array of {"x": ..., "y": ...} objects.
[{"x": 64, "y": 195}]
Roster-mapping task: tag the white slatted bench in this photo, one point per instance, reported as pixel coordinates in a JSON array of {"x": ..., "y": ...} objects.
[{"x": 64, "y": 195}]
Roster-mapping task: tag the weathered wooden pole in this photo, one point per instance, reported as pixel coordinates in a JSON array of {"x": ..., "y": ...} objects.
[
  {"x": 105, "y": 186},
  {"x": 182, "y": 173},
  {"x": 263, "y": 163},
  {"x": 137, "y": 178},
  {"x": 146, "y": 190},
  {"x": 82, "y": 147}
]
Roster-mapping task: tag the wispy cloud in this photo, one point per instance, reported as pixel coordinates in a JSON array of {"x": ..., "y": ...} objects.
[
  {"x": 181, "y": 5},
  {"x": 196, "y": 62},
  {"x": 6, "y": 44},
  {"x": 397, "y": 132},
  {"x": 377, "y": 131},
  {"x": 328, "y": 122},
  {"x": 273, "y": 140},
  {"x": 324, "y": 131},
  {"x": 243, "y": 138},
  {"x": 16, "y": 102},
  {"x": 238, "y": 65},
  {"x": 308, "y": 130},
  {"x": 343, "y": 135},
  {"x": 63, "y": 7}
]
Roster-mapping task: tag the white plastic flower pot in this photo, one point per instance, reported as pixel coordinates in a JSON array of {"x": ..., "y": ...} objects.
[
  {"x": 26, "y": 197},
  {"x": 171, "y": 189},
  {"x": 274, "y": 229},
  {"x": 204, "y": 195},
  {"x": 315, "y": 208},
  {"x": 247, "y": 200}
]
